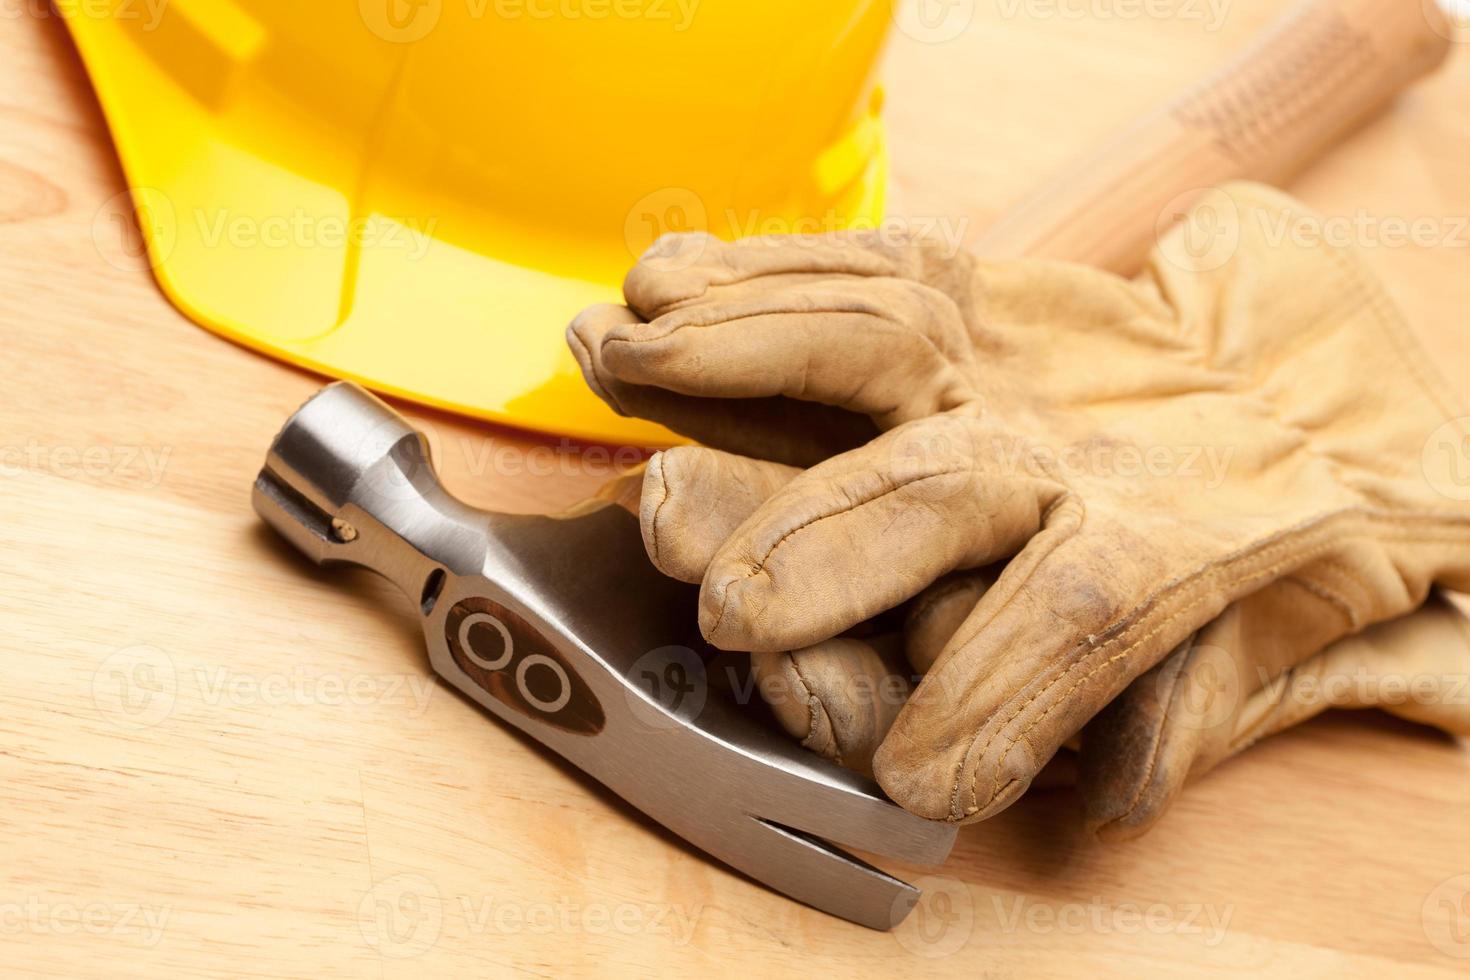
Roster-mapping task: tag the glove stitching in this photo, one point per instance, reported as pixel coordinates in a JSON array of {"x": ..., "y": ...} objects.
[
  {"x": 1056, "y": 536},
  {"x": 1013, "y": 740}
]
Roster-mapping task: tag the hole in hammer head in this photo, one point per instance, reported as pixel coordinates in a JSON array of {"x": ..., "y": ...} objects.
[{"x": 433, "y": 585}]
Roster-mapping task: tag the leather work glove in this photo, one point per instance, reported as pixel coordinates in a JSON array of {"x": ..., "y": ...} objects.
[
  {"x": 1171, "y": 726},
  {"x": 838, "y": 696},
  {"x": 1239, "y": 454}
]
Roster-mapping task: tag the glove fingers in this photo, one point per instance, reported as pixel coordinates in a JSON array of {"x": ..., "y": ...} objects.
[
  {"x": 838, "y": 697},
  {"x": 939, "y": 611},
  {"x": 1065, "y": 630},
  {"x": 679, "y": 269},
  {"x": 891, "y": 349},
  {"x": 783, "y": 429},
  {"x": 693, "y": 499},
  {"x": 1416, "y": 667},
  {"x": 1053, "y": 641},
  {"x": 865, "y": 531},
  {"x": 1136, "y": 753},
  {"x": 1142, "y": 747},
  {"x": 1212, "y": 699},
  {"x": 1182, "y": 717},
  {"x": 1140, "y": 751}
]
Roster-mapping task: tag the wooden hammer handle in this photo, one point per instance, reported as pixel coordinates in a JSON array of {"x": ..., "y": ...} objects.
[{"x": 1311, "y": 77}]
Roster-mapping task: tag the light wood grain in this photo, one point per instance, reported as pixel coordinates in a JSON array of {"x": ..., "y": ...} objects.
[
  {"x": 286, "y": 772},
  {"x": 1312, "y": 76}
]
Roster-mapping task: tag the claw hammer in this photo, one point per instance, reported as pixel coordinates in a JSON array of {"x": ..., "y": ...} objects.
[{"x": 562, "y": 628}]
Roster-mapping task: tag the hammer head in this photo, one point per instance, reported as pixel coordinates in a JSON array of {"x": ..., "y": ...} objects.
[{"x": 561, "y": 627}]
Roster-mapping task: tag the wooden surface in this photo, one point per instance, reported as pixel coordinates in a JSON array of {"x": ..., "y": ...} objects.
[
  {"x": 215, "y": 760},
  {"x": 1289, "y": 96}
]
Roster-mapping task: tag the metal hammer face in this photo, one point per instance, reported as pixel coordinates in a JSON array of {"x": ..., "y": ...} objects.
[{"x": 561, "y": 627}]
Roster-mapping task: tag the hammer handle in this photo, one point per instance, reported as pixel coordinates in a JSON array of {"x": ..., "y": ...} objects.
[{"x": 1312, "y": 76}]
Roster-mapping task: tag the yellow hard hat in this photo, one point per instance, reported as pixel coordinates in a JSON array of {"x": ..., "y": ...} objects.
[{"x": 419, "y": 195}]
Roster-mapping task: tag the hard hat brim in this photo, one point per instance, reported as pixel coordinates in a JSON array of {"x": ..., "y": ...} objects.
[{"x": 269, "y": 258}]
